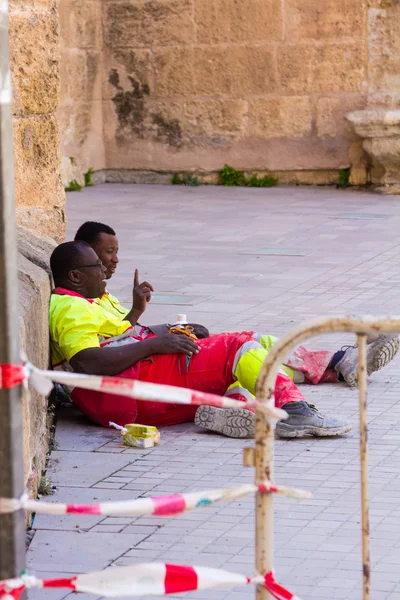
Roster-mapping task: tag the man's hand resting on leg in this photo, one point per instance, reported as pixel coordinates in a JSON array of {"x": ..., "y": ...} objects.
[{"x": 112, "y": 360}]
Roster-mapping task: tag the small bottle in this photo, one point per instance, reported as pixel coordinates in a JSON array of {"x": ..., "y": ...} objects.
[{"x": 181, "y": 321}]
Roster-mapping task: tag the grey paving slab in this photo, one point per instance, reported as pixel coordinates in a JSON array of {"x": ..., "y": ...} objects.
[
  {"x": 79, "y": 469},
  {"x": 75, "y": 552},
  {"x": 85, "y": 438},
  {"x": 202, "y": 244}
]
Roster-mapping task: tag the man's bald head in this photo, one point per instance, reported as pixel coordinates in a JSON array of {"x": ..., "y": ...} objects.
[{"x": 75, "y": 266}]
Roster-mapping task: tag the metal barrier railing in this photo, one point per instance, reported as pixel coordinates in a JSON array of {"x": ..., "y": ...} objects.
[{"x": 262, "y": 456}]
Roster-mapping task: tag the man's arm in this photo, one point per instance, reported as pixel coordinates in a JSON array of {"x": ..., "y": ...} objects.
[
  {"x": 141, "y": 295},
  {"x": 114, "y": 360}
]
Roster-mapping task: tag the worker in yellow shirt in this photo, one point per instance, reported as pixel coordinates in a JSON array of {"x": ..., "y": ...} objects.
[{"x": 104, "y": 242}]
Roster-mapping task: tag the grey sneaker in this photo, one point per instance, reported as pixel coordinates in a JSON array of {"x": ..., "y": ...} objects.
[
  {"x": 233, "y": 422},
  {"x": 305, "y": 419},
  {"x": 379, "y": 353}
]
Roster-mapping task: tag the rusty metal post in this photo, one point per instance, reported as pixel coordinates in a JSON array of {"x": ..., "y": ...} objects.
[
  {"x": 264, "y": 434},
  {"x": 362, "y": 386},
  {"x": 12, "y": 526},
  {"x": 264, "y": 502}
]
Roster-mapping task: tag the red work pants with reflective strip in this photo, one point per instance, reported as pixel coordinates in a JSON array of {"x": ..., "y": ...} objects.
[{"x": 209, "y": 371}]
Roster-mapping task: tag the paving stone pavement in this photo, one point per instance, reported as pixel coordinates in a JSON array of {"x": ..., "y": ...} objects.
[{"x": 241, "y": 260}]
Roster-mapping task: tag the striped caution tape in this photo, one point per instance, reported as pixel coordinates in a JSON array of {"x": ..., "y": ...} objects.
[
  {"x": 149, "y": 579},
  {"x": 163, "y": 506},
  {"x": 42, "y": 381}
]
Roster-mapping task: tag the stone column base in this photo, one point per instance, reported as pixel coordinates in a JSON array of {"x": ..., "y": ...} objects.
[{"x": 380, "y": 131}]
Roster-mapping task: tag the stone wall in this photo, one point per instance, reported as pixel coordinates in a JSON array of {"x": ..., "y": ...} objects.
[
  {"x": 261, "y": 84},
  {"x": 192, "y": 84},
  {"x": 34, "y": 49},
  {"x": 384, "y": 54},
  {"x": 80, "y": 112},
  {"x": 34, "y": 295},
  {"x": 40, "y": 197}
]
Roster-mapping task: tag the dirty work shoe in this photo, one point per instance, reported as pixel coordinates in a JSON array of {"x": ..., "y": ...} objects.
[
  {"x": 379, "y": 353},
  {"x": 305, "y": 419},
  {"x": 233, "y": 422}
]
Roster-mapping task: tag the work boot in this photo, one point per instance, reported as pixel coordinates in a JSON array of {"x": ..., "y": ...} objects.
[
  {"x": 305, "y": 419},
  {"x": 379, "y": 353},
  {"x": 233, "y": 422}
]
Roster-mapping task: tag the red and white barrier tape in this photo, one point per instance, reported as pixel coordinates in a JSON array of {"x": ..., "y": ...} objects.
[
  {"x": 149, "y": 579},
  {"x": 162, "y": 506},
  {"x": 11, "y": 375}
]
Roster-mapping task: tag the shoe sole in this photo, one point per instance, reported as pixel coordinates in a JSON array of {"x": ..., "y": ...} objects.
[
  {"x": 376, "y": 359},
  {"x": 290, "y": 431},
  {"x": 383, "y": 356},
  {"x": 232, "y": 422}
]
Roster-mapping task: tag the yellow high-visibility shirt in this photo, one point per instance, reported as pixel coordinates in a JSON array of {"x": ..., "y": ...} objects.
[
  {"x": 112, "y": 304},
  {"x": 77, "y": 323}
]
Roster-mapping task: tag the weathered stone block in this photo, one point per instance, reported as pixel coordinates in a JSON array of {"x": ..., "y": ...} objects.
[
  {"x": 34, "y": 55},
  {"x": 384, "y": 83},
  {"x": 141, "y": 23},
  {"x": 75, "y": 124},
  {"x": 34, "y": 294},
  {"x": 327, "y": 109},
  {"x": 227, "y": 117},
  {"x": 51, "y": 222},
  {"x": 81, "y": 75},
  {"x": 340, "y": 68},
  {"x": 198, "y": 122},
  {"x": 174, "y": 72},
  {"x": 235, "y": 70},
  {"x": 80, "y": 22},
  {"x": 384, "y": 38},
  {"x": 125, "y": 70},
  {"x": 289, "y": 116},
  {"x": 35, "y": 248},
  {"x": 329, "y": 68},
  {"x": 295, "y": 65},
  {"x": 384, "y": 56},
  {"x": 238, "y": 21},
  {"x": 71, "y": 170},
  {"x": 37, "y": 174},
  {"x": 327, "y": 20},
  {"x": 381, "y": 3},
  {"x": 380, "y": 131}
]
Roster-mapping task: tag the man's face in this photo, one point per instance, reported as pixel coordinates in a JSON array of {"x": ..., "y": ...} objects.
[
  {"x": 106, "y": 248},
  {"x": 89, "y": 275}
]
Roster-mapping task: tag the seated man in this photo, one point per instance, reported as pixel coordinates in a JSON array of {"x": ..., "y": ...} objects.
[
  {"x": 306, "y": 366},
  {"x": 104, "y": 242},
  {"x": 87, "y": 338}
]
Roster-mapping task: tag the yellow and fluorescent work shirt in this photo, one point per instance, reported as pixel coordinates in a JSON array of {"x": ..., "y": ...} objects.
[
  {"x": 77, "y": 323},
  {"x": 113, "y": 305},
  {"x": 110, "y": 303}
]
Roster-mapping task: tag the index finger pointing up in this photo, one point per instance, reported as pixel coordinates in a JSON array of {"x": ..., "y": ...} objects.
[{"x": 136, "y": 279}]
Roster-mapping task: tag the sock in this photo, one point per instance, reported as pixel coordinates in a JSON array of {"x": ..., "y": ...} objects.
[
  {"x": 334, "y": 361},
  {"x": 335, "y": 358}
]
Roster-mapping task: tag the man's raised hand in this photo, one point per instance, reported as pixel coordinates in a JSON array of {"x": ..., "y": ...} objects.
[{"x": 141, "y": 294}]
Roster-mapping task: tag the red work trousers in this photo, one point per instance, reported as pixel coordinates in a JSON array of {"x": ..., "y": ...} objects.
[{"x": 209, "y": 371}]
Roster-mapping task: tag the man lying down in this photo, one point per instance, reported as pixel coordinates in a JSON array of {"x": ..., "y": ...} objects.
[{"x": 88, "y": 338}]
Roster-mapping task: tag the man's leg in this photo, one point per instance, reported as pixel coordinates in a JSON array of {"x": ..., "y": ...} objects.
[
  {"x": 223, "y": 359},
  {"x": 208, "y": 371},
  {"x": 322, "y": 366},
  {"x": 303, "y": 418}
]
